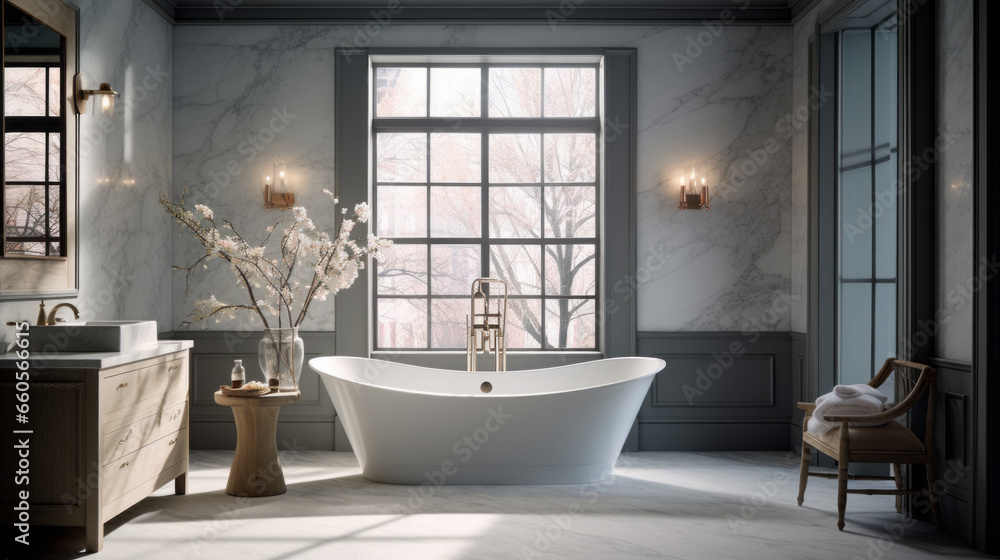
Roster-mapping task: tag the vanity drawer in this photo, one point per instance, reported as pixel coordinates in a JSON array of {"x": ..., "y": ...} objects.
[
  {"x": 122, "y": 390},
  {"x": 125, "y": 417},
  {"x": 125, "y": 440},
  {"x": 133, "y": 469}
]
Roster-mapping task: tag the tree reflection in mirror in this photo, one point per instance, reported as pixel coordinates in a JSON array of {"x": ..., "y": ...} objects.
[{"x": 34, "y": 131}]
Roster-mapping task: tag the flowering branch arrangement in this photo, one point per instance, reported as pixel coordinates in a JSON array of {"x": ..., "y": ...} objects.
[{"x": 333, "y": 262}]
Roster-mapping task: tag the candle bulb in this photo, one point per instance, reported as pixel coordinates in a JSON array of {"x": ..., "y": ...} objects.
[{"x": 267, "y": 190}]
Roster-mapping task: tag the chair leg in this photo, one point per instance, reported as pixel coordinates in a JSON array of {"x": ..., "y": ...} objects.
[
  {"x": 897, "y": 473},
  {"x": 932, "y": 490},
  {"x": 841, "y": 494},
  {"x": 804, "y": 471}
]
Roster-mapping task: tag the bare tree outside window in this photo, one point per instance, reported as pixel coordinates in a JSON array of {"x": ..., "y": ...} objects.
[
  {"x": 31, "y": 195},
  {"x": 527, "y": 214}
]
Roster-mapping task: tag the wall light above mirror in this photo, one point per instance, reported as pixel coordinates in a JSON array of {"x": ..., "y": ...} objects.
[{"x": 105, "y": 94}]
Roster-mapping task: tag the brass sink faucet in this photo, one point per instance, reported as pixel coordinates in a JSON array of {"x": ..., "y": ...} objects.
[{"x": 51, "y": 318}]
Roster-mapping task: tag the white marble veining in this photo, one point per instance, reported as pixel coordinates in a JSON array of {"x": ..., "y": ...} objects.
[
  {"x": 955, "y": 261},
  {"x": 125, "y": 166},
  {"x": 656, "y": 505},
  {"x": 715, "y": 270},
  {"x": 726, "y": 268}
]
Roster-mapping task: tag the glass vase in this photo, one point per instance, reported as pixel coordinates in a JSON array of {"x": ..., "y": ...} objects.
[{"x": 280, "y": 354}]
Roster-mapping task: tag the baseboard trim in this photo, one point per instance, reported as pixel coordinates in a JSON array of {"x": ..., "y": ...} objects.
[{"x": 720, "y": 436}]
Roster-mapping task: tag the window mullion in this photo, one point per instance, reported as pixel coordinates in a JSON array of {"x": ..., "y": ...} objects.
[
  {"x": 427, "y": 218},
  {"x": 541, "y": 233},
  {"x": 485, "y": 246},
  {"x": 485, "y": 126}
]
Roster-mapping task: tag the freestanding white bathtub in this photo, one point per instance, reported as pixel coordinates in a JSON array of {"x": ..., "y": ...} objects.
[{"x": 416, "y": 425}]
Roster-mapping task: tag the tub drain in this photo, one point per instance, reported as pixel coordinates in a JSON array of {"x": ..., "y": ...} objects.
[{"x": 486, "y": 387}]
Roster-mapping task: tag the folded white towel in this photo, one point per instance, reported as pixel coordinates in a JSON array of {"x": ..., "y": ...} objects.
[
  {"x": 833, "y": 405},
  {"x": 857, "y": 390}
]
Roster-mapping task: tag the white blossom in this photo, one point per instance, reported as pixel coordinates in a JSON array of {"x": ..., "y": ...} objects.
[
  {"x": 362, "y": 212},
  {"x": 205, "y": 211},
  {"x": 279, "y": 286}
]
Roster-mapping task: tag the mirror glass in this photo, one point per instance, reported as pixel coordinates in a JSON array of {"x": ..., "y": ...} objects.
[{"x": 34, "y": 156}]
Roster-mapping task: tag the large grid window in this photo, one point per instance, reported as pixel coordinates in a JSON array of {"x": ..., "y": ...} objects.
[
  {"x": 867, "y": 182},
  {"x": 486, "y": 170},
  {"x": 34, "y": 186}
]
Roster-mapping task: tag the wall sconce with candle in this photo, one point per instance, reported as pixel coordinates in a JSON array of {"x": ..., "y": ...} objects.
[
  {"x": 276, "y": 194},
  {"x": 105, "y": 92},
  {"x": 694, "y": 196}
]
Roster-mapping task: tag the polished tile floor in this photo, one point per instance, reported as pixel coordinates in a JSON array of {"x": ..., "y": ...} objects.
[{"x": 657, "y": 505}]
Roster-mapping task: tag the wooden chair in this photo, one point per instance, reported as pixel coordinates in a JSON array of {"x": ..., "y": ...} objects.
[{"x": 889, "y": 443}]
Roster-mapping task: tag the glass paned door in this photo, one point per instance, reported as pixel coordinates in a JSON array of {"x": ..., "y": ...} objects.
[{"x": 867, "y": 201}]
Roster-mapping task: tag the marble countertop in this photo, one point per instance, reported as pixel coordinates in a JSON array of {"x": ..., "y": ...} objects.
[{"x": 96, "y": 360}]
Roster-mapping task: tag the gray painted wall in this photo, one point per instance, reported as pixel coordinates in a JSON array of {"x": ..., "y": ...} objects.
[{"x": 722, "y": 391}]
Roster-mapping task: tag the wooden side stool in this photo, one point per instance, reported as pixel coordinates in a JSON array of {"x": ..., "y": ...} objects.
[{"x": 256, "y": 470}]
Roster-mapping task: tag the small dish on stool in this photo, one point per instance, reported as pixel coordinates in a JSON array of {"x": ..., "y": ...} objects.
[{"x": 247, "y": 390}]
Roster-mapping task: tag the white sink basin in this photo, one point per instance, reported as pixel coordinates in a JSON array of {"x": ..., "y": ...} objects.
[{"x": 92, "y": 336}]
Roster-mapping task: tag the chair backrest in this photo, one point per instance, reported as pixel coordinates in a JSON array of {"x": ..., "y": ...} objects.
[{"x": 914, "y": 379}]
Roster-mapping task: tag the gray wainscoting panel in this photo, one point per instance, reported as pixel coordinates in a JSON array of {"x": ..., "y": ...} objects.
[
  {"x": 309, "y": 423},
  {"x": 803, "y": 386},
  {"x": 953, "y": 442},
  {"x": 718, "y": 391},
  {"x": 692, "y": 381}
]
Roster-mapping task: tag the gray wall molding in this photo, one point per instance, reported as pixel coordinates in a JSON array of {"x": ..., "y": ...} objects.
[
  {"x": 352, "y": 138},
  {"x": 620, "y": 147},
  {"x": 986, "y": 302},
  {"x": 756, "y": 369},
  {"x": 554, "y": 12},
  {"x": 166, "y": 8},
  {"x": 954, "y": 434},
  {"x": 799, "y": 8},
  {"x": 722, "y": 391},
  {"x": 956, "y": 365}
]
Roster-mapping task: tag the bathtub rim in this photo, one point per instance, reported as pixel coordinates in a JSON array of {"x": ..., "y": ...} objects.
[{"x": 488, "y": 395}]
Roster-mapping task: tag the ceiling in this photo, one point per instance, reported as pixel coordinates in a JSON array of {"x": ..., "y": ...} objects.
[{"x": 215, "y": 12}]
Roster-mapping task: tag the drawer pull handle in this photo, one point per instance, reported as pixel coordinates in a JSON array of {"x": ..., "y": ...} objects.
[
  {"x": 122, "y": 385},
  {"x": 173, "y": 441},
  {"x": 173, "y": 368},
  {"x": 124, "y": 439},
  {"x": 123, "y": 465}
]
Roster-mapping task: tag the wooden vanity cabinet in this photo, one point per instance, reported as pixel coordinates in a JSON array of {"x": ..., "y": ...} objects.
[{"x": 102, "y": 440}]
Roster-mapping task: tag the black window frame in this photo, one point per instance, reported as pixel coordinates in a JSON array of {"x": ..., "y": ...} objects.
[
  {"x": 485, "y": 126},
  {"x": 618, "y": 149},
  {"x": 48, "y": 124}
]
